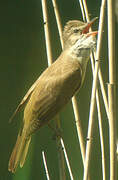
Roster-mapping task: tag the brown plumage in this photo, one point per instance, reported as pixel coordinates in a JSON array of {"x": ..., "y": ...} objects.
[{"x": 56, "y": 86}]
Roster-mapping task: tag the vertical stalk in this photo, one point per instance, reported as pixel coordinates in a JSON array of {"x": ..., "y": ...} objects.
[
  {"x": 58, "y": 21},
  {"x": 101, "y": 137},
  {"x": 79, "y": 128},
  {"x": 90, "y": 126},
  {"x": 45, "y": 166},
  {"x": 93, "y": 96},
  {"x": 49, "y": 57},
  {"x": 85, "y": 14},
  {"x": 47, "y": 34},
  {"x": 112, "y": 90},
  {"x": 67, "y": 160},
  {"x": 60, "y": 153},
  {"x": 82, "y": 10},
  {"x": 92, "y": 58}
]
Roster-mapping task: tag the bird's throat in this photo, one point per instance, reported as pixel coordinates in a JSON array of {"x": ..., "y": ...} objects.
[{"x": 81, "y": 50}]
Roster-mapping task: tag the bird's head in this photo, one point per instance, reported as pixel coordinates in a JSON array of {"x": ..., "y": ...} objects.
[{"x": 76, "y": 35}]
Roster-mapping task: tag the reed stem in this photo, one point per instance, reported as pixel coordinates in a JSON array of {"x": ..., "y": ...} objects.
[
  {"x": 112, "y": 89},
  {"x": 94, "y": 87},
  {"x": 50, "y": 61}
]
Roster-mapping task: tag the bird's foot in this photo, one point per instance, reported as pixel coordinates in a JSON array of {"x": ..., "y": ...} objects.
[{"x": 57, "y": 132}]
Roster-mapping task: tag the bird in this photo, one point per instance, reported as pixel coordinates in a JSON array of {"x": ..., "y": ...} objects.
[{"x": 55, "y": 86}]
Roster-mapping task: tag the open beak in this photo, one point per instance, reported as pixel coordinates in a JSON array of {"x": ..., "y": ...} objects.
[{"x": 87, "y": 26}]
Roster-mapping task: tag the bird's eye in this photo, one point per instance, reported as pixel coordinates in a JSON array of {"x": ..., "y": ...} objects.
[{"x": 76, "y": 30}]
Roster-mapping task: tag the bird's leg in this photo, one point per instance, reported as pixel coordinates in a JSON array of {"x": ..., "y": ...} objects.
[{"x": 57, "y": 132}]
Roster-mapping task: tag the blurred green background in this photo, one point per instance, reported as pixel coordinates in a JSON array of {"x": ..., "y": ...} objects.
[{"x": 23, "y": 58}]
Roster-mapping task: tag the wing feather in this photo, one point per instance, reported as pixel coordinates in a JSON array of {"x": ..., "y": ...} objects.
[{"x": 56, "y": 87}]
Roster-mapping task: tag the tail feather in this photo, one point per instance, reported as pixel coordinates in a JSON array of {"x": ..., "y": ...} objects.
[
  {"x": 11, "y": 166},
  {"x": 24, "y": 154},
  {"x": 19, "y": 152}
]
